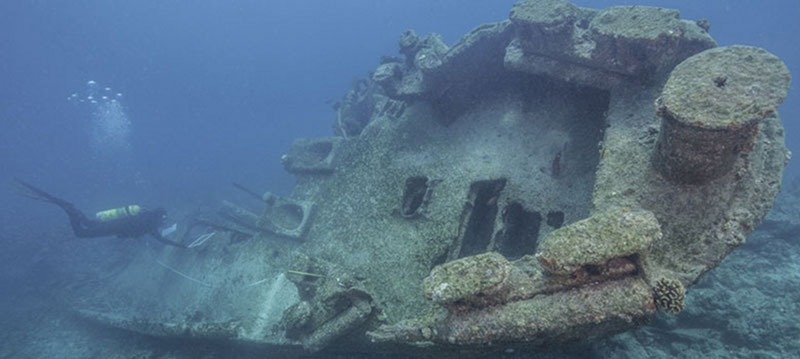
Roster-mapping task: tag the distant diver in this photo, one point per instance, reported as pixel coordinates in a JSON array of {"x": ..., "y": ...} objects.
[{"x": 126, "y": 222}]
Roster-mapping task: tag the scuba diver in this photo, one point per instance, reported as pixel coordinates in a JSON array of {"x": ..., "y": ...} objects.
[{"x": 126, "y": 222}]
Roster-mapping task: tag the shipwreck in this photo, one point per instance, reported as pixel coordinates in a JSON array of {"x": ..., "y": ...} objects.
[{"x": 563, "y": 175}]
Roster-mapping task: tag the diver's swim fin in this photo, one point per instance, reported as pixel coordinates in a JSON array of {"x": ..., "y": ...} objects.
[{"x": 28, "y": 190}]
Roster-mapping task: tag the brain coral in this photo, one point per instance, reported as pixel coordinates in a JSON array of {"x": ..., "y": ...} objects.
[{"x": 669, "y": 294}]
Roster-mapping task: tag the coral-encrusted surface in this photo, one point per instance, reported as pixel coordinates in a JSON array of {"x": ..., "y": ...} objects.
[
  {"x": 726, "y": 87},
  {"x": 598, "y": 239}
]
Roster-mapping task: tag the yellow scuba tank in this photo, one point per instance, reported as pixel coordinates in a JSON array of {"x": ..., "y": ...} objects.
[{"x": 117, "y": 213}]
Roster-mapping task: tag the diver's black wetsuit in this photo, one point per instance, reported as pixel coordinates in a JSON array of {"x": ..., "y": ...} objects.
[{"x": 145, "y": 222}]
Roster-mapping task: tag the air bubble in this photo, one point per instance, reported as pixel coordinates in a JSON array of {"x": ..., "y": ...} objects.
[{"x": 109, "y": 125}]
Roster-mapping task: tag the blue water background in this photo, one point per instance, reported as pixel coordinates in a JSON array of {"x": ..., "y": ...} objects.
[{"x": 217, "y": 90}]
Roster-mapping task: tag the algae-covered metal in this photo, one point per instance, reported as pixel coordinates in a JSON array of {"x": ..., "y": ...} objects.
[
  {"x": 483, "y": 275},
  {"x": 711, "y": 106},
  {"x": 515, "y": 188},
  {"x": 598, "y": 239}
]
